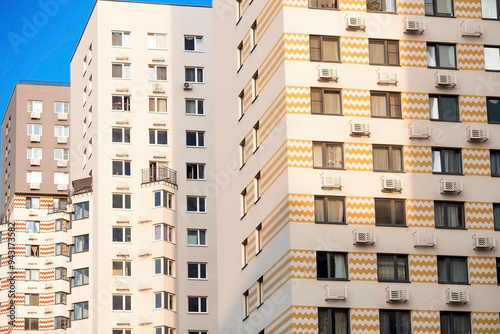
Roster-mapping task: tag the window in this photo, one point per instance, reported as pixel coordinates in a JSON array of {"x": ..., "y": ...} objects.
[
  {"x": 241, "y": 152},
  {"x": 60, "y": 297},
  {"x": 34, "y": 152},
  {"x": 120, "y": 135},
  {"x": 395, "y": 322},
  {"x": 35, "y": 106},
  {"x": 163, "y": 198},
  {"x": 195, "y": 204},
  {"x": 120, "y": 71},
  {"x": 195, "y": 107},
  {"x": 260, "y": 290},
  {"x": 455, "y": 322},
  {"x": 193, "y": 43},
  {"x": 385, "y": 104},
  {"x": 158, "y": 137},
  {"x": 383, "y": 52},
  {"x": 34, "y": 177},
  {"x": 80, "y": 311},
  {"x": 195, "y": 171},
  {"x": 392, "y": 268},
  {"x": 324, "y": 48},
  {"x": 32, "y": 299},
  {"x": 443, "y": 108},
  {"x": 327, "y": 155},
  {"x": 239, "y": 55},
  {"x": 62, "y": 249},
  {"x": 164, "y": 232},
  {"x": 197, "y": 304},
  {"x": 245, "y": 305},
  {"x": 120, "y": 103},
  {"x": 196, "y": 237},
  {"x": 158, "y": 73},
  {"x": 164, "y": 330},
  {"x": 243, "y": 203},
  {"x": 81, "y": 211},
  {"x": 256, "y": 187},
  {"x": 63, "y": 323},
  {"x": 80, "y": 244},
  {"x": 333, "y": 321},
  {"x": 61, "y": 131},
  {"x": 164, "y": 266},
  {"x": 326, "y": 4},
  {"x": 255, "y": 92},
  {"x": 31, "y": 324},
  {"x": 258, "y": 238},
  {"x": 61, "y": 178},
  {"x": 61, "y": 107},
  {"x": 381, "y": 6},
  {"x": 122, "y": 201},
  {"x": 329, "y": 209},
  {"x": 195, "y": 138},
  {"x": 61, "y": 154},
  {"x": 31, "y": 274},
  {"x": 387, "y": 158},
  {"x": 32, "y": 202},
  {"x": 61, "y": 273},
  {"x": 241, "y": 104},
  {"x": 122, "y": 303},
  {"x": 157, "y": 41},
  {"x": 496, "y": 216},
  {"x": 492, "y": 58},
  {"x": 120, "y": 39},
  {"x": 452, "y": 270},
  {"x": 325, "y": 102},
  {"x": 449, "y": 215},
  {"x": 197, "y": 270},
  {"x": 331, "y": 266},
  {"x": 194, "y": 74},
  {"x": 164, "y": 300},
  {"x": 244, "y": 259},
  {"x": 493, "y": 109},
  {"x": 489, "y": 9},
  {"x": 80, "y": 277},
  {"x": 157, "y": 104},
  {"x": 390, "y": 212},
  {"x": 441, "y": 56},
  {"x": 122, "y": 268},
  {"x": 238, "y": 11},
  {"x": 198, "y": 332},
  {"x": 447, "y": 161},
  {"x": 255, "y": 140},
  {"x": 121, "y": 168},
  {"x": 122, "y": 234},
  {"x": 439, "y": 7},
  {"x": 32, "y": 250},
  {"x": 32, "y": 227},
  {"x": 34, "y": 129}
]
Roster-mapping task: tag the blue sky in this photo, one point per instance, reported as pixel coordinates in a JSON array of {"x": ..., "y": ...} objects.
[{"x": 38, "y": 37}]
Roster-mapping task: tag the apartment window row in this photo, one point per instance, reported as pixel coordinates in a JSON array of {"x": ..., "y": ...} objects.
[
  {"x": 36, "y": 153},
  {"x": 36, "y": 108},
  {"x": 258, "y": 245},
  {"x": 158, "y": 137},
  {"x": 156, "y": 41},
  {"x": 59, "y": 130},
  {"x": 260, "y": 297},
  {"x": 155, "y": 73},
  {"x": 158, "y": 104},
  {"x": 35, "y": 177}
]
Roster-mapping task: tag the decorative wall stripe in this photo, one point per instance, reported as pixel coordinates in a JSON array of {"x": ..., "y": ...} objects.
[
  {"x": 485, "y": 322},
  {"x": 469, "y": 9},
  {"x": 476, "y": 161},
  {"x": 415, "y": 105},
  {"x": 272, "y": 116},
  {"x": 411, "y": 7},
  {"x": 250, "y": 246},
  {"x": 300, "y": 153},
  {"x": 358, "y": 157},
  {"x": 470, "y": 56},
  {"x": 275, "y": 221},
  {"x": 250, "y": 196},
  {"x": 356, "y": 102},
  {"x": 354, "y": 50},
  {"x": 418, "y": 159},
  {"x": 362, "y": 267},
  {"x": 423, "y": 268},
  {"x": 360, "y": 210},
  {"x": 253, "y": 298},
  {"x": 479, "y": 215},
  {"x": 267, "y": 16},
  {"x": 303, "y": 264},
  {"x": 245, "y": 51},
  {"x": 247, "y": 98},
  {"x": 272, "y": 63},
  {"x": 413, "y": 53},
  {"x": 425, "y": 322},
  {"x": 304, "y": 320},
  {"x": 296, "y": 47},
  {"x": 273, "y": 169},
  {"x": 364, "y": 321},
  {"x": 353, "y": 5},
  {"x": 248, "y": 149},
  {"x": 301, "y": 208},
  {"x": 482, "y": 270},
  {"x": 298, "y": 100},
  {"x": 277, "y": 275},
  {"x": 420, "y": 213},
  {"x": 282, "y": 324},
  {"x": 295, "y": 3},
  {"x": 473, "y": 109}
]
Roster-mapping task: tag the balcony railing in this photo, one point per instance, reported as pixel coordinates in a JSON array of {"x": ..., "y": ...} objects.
[{"x": 166, "y": 174}]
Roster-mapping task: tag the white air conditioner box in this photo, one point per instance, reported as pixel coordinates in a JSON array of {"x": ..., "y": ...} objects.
[
  {"x": 62, "y": 140},
  {"x": 35, "y": 115},
  {"x": 187, "y": 86},
  {"x": 394, "y": 294},
  {"x": 363, "y": 237},
  {"x": 419, "y": 130},
  {"x": 62, "y": 117},
  {"x": 414, "y": 24},
  {"x": 477, "y": 133},
  {"x": 386, "y": 76},
  {"x": 424, "y": 238},
  {"x": 34, "y": 186},
  {"x": 445, "y": 79},
  {"x": 158, "y": 88},
  {"x": 355, "y": 22},
  {"x": 331, "y": 181},
  {"x": 35, "y": 162},
  {"x": 35, "y": 138},
  {"x": 483, "y": 241},
  {"x": 62, "y": 163},
  {"x": 335, "y": 292},
  {"x": 457, "y": 295},
  {"x": 391, "y": 183},
  {"x": 360, "y": 127},
  {"x": 472, "y": 28},
  {"x": 62, "y": 187},
  {"x": 328, "y": 73},
  {"x": 450, "y": 186}
]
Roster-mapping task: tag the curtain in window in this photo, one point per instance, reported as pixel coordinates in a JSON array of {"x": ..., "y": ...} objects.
[
  {"x": 161, "y": 41},
  {"x": 429, "y": 7},
  {"x": 190, "y": 74},
  {"x": 447, "y": 56},
  {"x": 461, "y": 323},
  {"x": 117, "y": 71},
  {"x": 316, "y": 101},
  {"x": 431, "y": 56},
  {"x": 390, "y": 6},
  {"x": 335, "y": 210},
  {"x": 392, "y": 53},
  {"x": 385, "y": 322},
  {"x": 401, "y": 267},
  {"x": 340, "y": 266},
  {"x": 436, "y": 161},
  {"x": 397, "y": 164},
  {"x": 442, "y": 270},
  {"x": 453, "y": 215},
  {"x": 434, "y": 107},
  {"x": 490, "y": 10},
  {"x": 492, "y": 58},
  {"x": 395, "y": 105},
  {"x": 330, "y": 49},
  {"x": 318, "y": 155},
  {"x": 190, "y": 106},
  {"x": 332, "y": 103},
  {"x": 333, "y": 156},
  {"x": 451, "y": 161},
  {"x": 323, "y": 321},
  {"x": 340, "y": 322},
  {"x": 319, "y": 209},
  {"x": 116, "y": 39},
  {"x": 161, "y": 73},
  {"x": 378, "y": 104},
  {"x": 444, "y": 7},
  {"x": 377, "y": 52},
  {"x": 314, "y": 48},
  {"x": 385, "y": 266},
  {"x": 458, "y": 270},
  {"x": 380, "y": 158}
]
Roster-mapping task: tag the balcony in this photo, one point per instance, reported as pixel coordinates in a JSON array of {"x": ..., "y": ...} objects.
[{"x": 151, "y": 175}]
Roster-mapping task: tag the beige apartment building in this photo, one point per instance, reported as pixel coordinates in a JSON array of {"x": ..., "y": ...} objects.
[{"x": 361, "y": 144}]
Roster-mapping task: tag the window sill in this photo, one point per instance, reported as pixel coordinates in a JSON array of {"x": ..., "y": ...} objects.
[
  {"x": 334, "y": 279},
  {"x": 451, "y": 16},
  {"x": 389, "y": 171},
  {"x": 380, "y": 12},
  {"x": 241, "y": 218},
  {"x": 326, "y": 61},
  {"x": 442, "y": 68},
  {"x": 246, "y": 264},
  {"x": 393, "y": 281},
  {"x": 461, "y": 283},
  {"x": 331, "y": 223},
  {"x": 260, "y": 251},
  {"x": 390, "y": 225},
  {"x": 393, "y": 65},
  {"x": 329, "y": 168},
  {"x": 253, "y": 48},
  {"x": 443, "y": 120},
  {"x": 323, "y": 8},
  {"x": 490, "y": 70},
  {"x": 450, "y": 228},
  {"x": 443, "y": 173},
  {"x": 323, "y": 114}
]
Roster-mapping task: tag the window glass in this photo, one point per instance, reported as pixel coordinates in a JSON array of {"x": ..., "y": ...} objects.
[
  {"x": 331, "y": 265},
  {"x": 452, "y": 270},
  {"x": 332, "y": 320},
  {"x": 493, "y": 108},
  {"x": 395, "y": 322},
  {"x": 329, "y": 210},
  {"x": 392, "y": 267},
  {"x": 489, "y": 9},
  {"x": 449, "y": 214},
  {"x": 492, "y": 58}
]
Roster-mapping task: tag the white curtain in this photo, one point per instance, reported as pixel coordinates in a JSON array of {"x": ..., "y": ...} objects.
[
  {"x": 458, "y": 268},
  {"x": 332, "y": 102},
  {"x": 319, "y": 210},
  {"x": 378, "y": 104},
  {"x": 340, "y": 266},
  {"x": 492, "y": 58},
  {"x": 436, "y": 161},
  {"x": 333, "y": 156},
  {"x": 444, "y": 7},
  {"x": 447, "y": 56},
  {"x": 431, "y": 56},
  {"x": 390, "y": 6},
  {"x": 335, "y": 210},
  {"x": 330, "y": 50},
  {"x": 490, "y": 10},
  {"x": 380, "y": 158},
  {"x": 318, "y": 155}
]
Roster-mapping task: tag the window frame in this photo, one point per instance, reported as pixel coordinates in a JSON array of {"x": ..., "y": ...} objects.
[
  {"x": 199, "y": 237},
  {"x": 166, "y": 232},
  {"x": 330, "y": 257},
  {"x": 34, "y": 153},
  {"x": 383, "y": 8},
  {"x": 121, "y": 167},
  {"x": 195, "y": 44},
  {"x": 124, "y": 102},
  {"x": 126, "y": 234},
  {"x": 199, "y": 107},
  {"x": 436, "y": 47},
  {"x": 386, "y": 43},
  {"x": 201, "y": 204},
  {"x": 395, "y": 258},
  {"x": 166, "y": 300},
  {"x": 84, "y": 207},
  {"x": 441, "y": 108},
  {"x": 323, "y": 103},
  {"x": 330, "y": 313},
  {"x": 126, "y": 201},
  {"x": 390, "y": 156},
  {"x": 202, "y": 304},
  {"x": 320, "y": 39},
  {"x": 126, "y": 71},
  {"x": 488, "y": 104},
  {"x": 446, "y": 224},
  {"x": 195, "y": 171},
  {"x": 156, "y": 99},
  {"x": 444, "y": 163},
  {"x": 28, "y": 275},
  {"x": 154, "y": 72},
  {"x": 451, "y": 315},
  {"x": 154, "y": 135},
  {"x": 124, "y": 135},
  {"x": 201, "y": 267},
  {"x": 497, "y": 62},
  {"x": 31, "y": 324},
  {"x": 61, "y": 131},
  {"x": 83, "y": 273},
  {"x": 325, "y": 200},
  {"x": 497, "y": 3},
  {"x": 126, "y": 268},
  {"x": 496, "y": 217},
  {"x": 394, "y": 218},
  {"x": 388, "y": 105},
  {"x": 398, "y": 325},
  {"x": 434, "y": 9},
  {"x": 199, "y": 137},
  {"x": 163, "y": 198},
  {"x": 333, "y": 6},
  {"x": 124, "y": 302},
  {"x": 449, "y": 279},
  {"x": 125, "y": 42},
  {"x": 199, "y": 74},
  {"x": 152, "y": 39},
  {"x": 85, "y": 244},
  {"x": 166, "y": 266},
  {"x": 31, "y": 129},
  {"x": 84, "y": 314}
]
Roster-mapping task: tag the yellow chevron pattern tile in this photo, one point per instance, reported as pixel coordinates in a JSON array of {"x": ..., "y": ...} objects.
[
  {"x": 297, "y": 47},
  {"x": 423, "y": 268},
  {"x": 300, "y": 153},
  {"x": 362, "y": 266},
  {"x": 273, "y": 169},
  {"x": 418, "y": 159},
  {"x": 479, "y": 215},
  {"x": 468, "y": 9},
  {"x": 425, "y": 322},
  {"x": 252, "y": 298},
  {"x": 482, "y": 270},
  {"x": 354, "y": 5},
  {"x": 303, "y": 264},
  {"x": 411, "y": 7},
  {"x": 275, "y": 221},
  {"x": 485, "y": 322},
  {"x": 364, "y": 321},
  {"x": 298, "y": 100},
  {"x": 354, "y": 50},
  {"x": 295, "y": 3},
  {"x": 476, "y": 161},
  {"x": 420, "y": 213},
  {"x": 304, "y": 320},
  {"x": 277, "y": 275},
  {"x": 360, "y": 210},
  {"x": 301, "y": 208},
  {"x": 358, "y": 157},
  {"x": 356, "y": 102},
  {"x": 282, "y": 324},
  {"x": 415, "y": 106},
  {"x": 473, "y": 109},
  {"x": 470, "y": 56},
  {"x": 413, "y": 53}
]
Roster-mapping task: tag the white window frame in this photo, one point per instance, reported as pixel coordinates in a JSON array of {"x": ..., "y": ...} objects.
[
  {"x": 199, "y": 299},
  {"x": 61, "y": 107},
  {"x": 166, "y": 266},
  {"x": 124, "y": 102},
  {"x": 166, "y": 300},
  {"x": 61, "y": 131},
  {"x": 198, "y": 110},
  {"x": 35, "y": 106},
  {"x": 153, "y": 72},
  {"x": 156, "y": 99},
  {"x": 199, "y": 201},
  {"x": 63, "y": 152},
  {"x": 124, "y": 265},
  {"x": 198, "y": 171},
  {"x": 126, "y": 72},
  {"x": 61, "y": 175},
  {"x": 124, "y": 302},
  {"x": 123, "y": 130},
  {"x": 125, "y": 39},
  {"x": 33, "y": 129},
  {"x": 153, "y": 41},
  {"x": 124, "y": 234},
  {"x": 80, "y": 273},
  {"x": 32, "y": 275},
  {"x": 198, "y": 43},
  {"x": 160, "y": 195},
  {"x": 197, "y": 71},
  {"x": 30, "y": 175},
  {"x": 198, "y": 243},
  {"x": 124, "y": 200},
  {"x": 84, "y": 311},
  {"x": 34, "y": 153},
  {"x": 168, "y": 236},
  {"x": 32, "y": 226},
  {"x": 156, "y": 132},
  {"x": 492, "y": 58},
  {"x": 198, "y": 265},
  {"x": 197, "y": 136},
  {"x": 122, "y": 167}
]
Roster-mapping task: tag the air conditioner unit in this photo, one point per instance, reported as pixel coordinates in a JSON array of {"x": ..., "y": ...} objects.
[
  {"x": 450, "y": 186},
  {"x": 387, "y": 77},
  {"x": 477, "y": 133},
  {"x": 414, "y": 24},
  {"x": 457, "y": 295},
  {"x": 123, "y": 321},
  {"x": 393, "y": 294},
  {"x": 35, "y": 115},
  {"x": 483, "y": 241},
  {"x": 62, "y": 163},
  {"x": 62, "y": 140},
  {"x": 158, "y": 88},
  {"x": 49, "y": 261},
  {"x": 35, "y": 162},
  {"x": 49, "y": 285},
  {"x": 328, "y": 73},
  {"x": 35, "y": 138},
  {"x": 122, "y": 252},
  {"x": 143, "y": 252},
  {"x": 335, "y": 292},
  {"x": 62, "y": 187},
  {"x": 331, "y": 181},
  {"x": 423, "y": 238},
  {"x": 363, "y": 237},
  {"x": 121, "y": 285},
  {"x": 187, "y": 86},
  {"x": 391, "y": 183},
  {"x": 419, "y": 130},
  {"x": 34, "y": 186},
  {"x": 360, "y": 128},
  {"x": 445, "y": 79},
  {"x": 48, "y": 310},
  {"x": 62, "y": 117},
  {"x": 355, "y": 22},
  {"x": 472, "y": 28}
]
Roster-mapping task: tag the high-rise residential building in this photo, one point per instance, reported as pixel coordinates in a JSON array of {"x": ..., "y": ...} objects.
[
  {"x": 34, "y": 240},
  {"x": 360, "y": 142}
]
